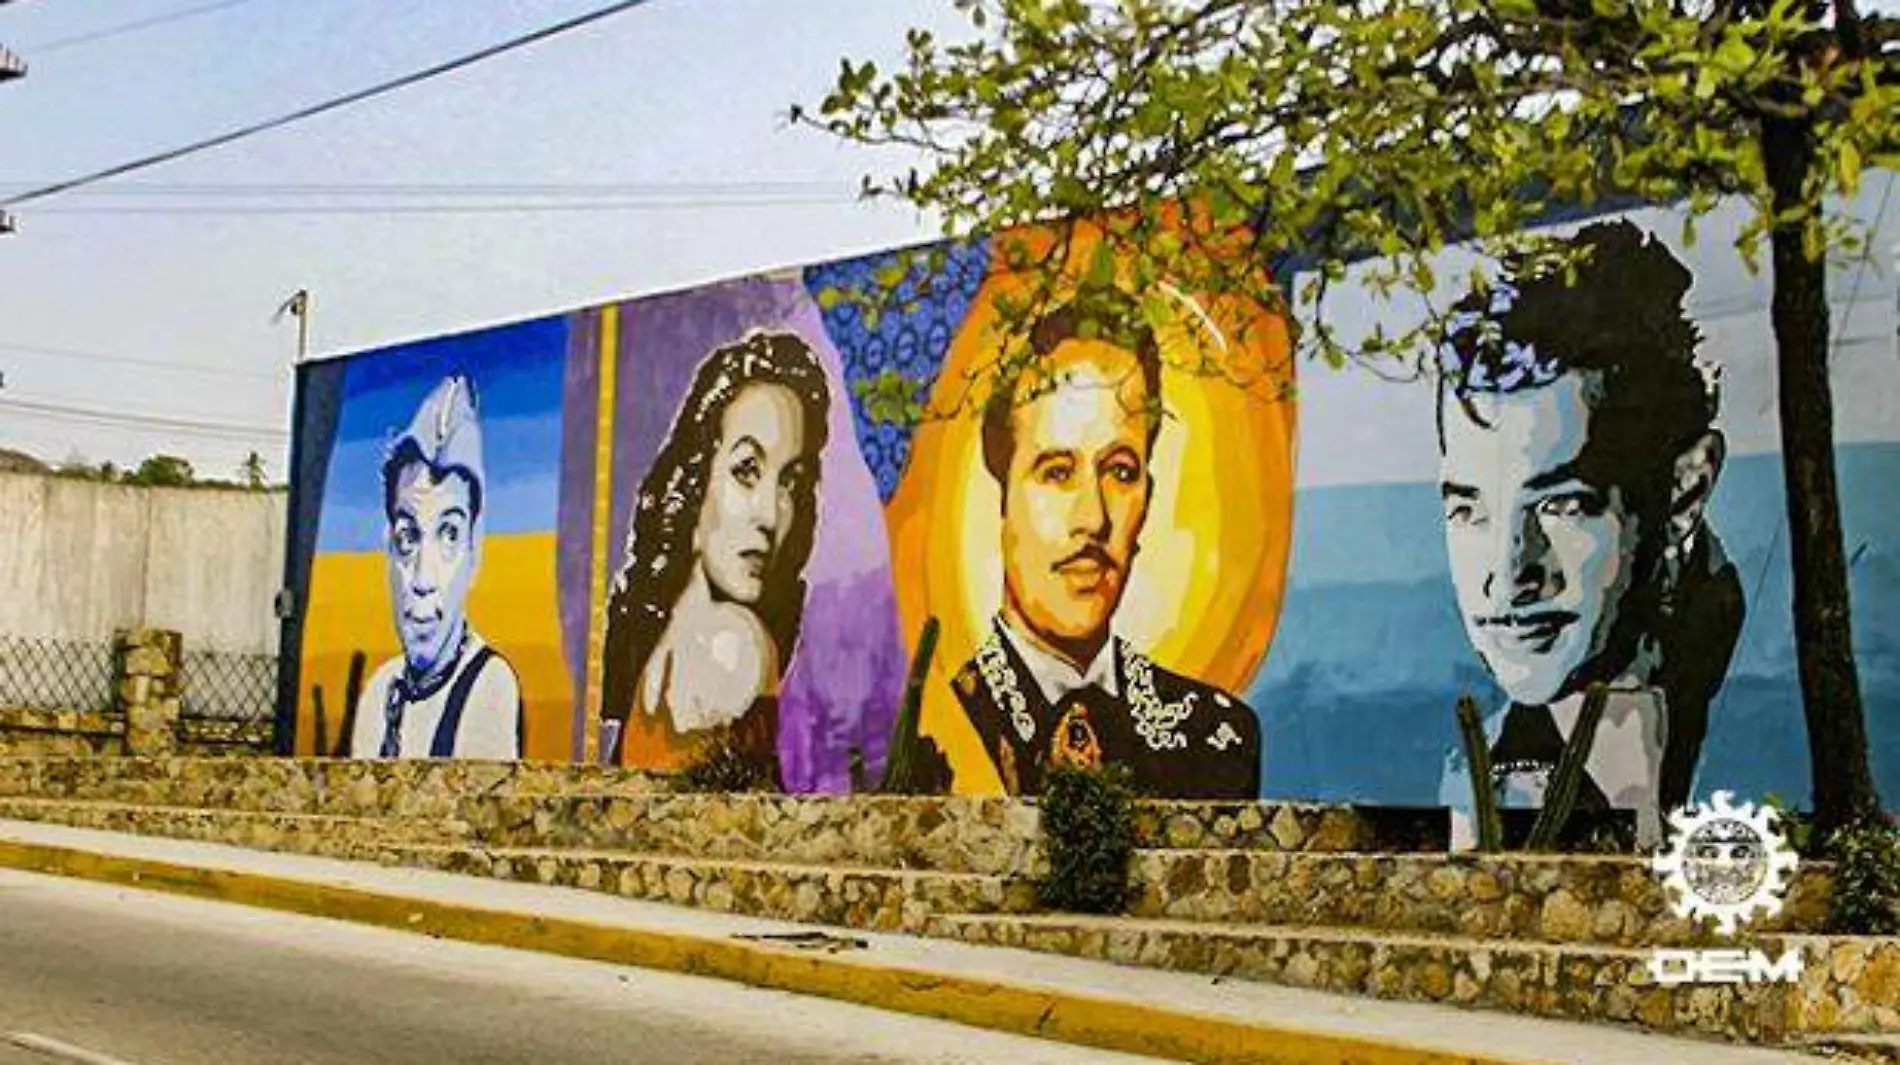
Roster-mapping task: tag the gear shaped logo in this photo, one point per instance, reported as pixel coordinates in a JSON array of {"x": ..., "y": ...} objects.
[{"x": 1726, "y": 862}]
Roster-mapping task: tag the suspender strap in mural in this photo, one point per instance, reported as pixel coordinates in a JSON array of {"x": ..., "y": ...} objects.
[
  {"x": 393, "y": 705},
  {"x": 443, "y": 746}
]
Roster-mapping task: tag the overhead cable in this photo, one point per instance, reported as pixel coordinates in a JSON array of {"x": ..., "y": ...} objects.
[
  {"x": 129, "y": 360},
  {"x": 132, "y": 27},
  {"x": 270, "y": 190},
  {"x": 139, "y": 419},
  {"x": 450, "y": 208},
  {"x": 326, "y": 106}
]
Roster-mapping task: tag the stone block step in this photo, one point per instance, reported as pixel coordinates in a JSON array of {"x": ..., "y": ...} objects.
[
  {"x": 1615, "y": 900},
  {"x": 977, "y": 835},
  {"x": 959, "y": 835},
  {"x": 1270, "y": 825},
  {"x": 539, "y": 804},
  {"x": 418, "y": 788},
  {"x": 1857, "y": 1050},
  {"x": 330, "y": 835},
  {"x": 868, "y": 898},
  {"x": 1850, "y": 984}
]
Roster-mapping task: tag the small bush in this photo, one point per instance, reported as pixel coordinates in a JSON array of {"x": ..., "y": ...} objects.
[
  {"x": 1088, "y": 828},
  {"x": 720, "y": 763},
  {"x": 1797, "y": 827},
  {"x": 1866, "y": 894}
]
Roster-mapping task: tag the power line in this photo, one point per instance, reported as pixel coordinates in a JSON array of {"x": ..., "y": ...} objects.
[
  {"x": 459, "y": 209},
  {"x": 332, "y": 104},
  {"x": 133, "y": 27},
  {"x": 265, "y": 190},
  {"x": 122, "y": 419},
  {"x": 128, "y": 360}
]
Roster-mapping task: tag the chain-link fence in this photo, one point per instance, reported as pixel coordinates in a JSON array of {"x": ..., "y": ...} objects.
[
  {"x": 229, "y": 686},
  {"x": 49, "y": 674}
]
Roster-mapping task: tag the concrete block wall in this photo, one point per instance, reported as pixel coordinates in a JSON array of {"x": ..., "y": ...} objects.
[{"x": 83, "y": 560}]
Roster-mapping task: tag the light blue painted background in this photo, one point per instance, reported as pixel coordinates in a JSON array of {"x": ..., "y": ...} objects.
[{"x": 1356, "y": 695}]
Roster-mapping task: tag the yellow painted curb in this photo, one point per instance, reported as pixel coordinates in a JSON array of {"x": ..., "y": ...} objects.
[{"x": 1087, "y": 1020}]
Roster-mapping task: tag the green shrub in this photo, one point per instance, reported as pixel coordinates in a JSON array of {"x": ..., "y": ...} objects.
[
  {"x": 1866, "y": 894},
  {"x": 1088, "y": 829},
  {"x": 1796, "y": 827}
]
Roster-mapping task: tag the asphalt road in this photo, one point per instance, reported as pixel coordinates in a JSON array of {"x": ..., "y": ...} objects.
[{"x": 105, "y": 976}]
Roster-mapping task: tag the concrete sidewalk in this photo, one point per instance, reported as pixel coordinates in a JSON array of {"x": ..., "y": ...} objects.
[{"x": 1141, "y": 1011}]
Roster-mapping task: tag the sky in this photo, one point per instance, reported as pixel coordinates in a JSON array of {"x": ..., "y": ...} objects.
[{"x": 137, "y": 316}]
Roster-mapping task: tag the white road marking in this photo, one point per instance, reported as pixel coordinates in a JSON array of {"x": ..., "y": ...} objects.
[{"x": 63, "y": 1051}]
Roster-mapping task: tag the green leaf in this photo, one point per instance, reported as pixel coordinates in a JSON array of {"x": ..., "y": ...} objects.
[
  {"x": 1734, "y": 55},
  {"x": 1847, "y": 165},
  {"x": 1101, "y": 270}
]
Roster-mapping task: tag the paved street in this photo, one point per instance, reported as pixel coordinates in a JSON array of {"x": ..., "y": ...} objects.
[{"x": 97, "y": 975}]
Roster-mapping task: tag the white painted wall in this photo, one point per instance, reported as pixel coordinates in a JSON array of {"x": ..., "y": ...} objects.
[{"x": 80, "y": 559}]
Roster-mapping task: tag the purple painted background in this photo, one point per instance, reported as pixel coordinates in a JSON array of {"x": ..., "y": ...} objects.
[
  {"x": 847, "y": 674},
  {"x": 580, "y": 391}
]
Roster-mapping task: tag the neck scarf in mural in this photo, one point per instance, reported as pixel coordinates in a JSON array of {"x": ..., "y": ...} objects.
[{"x": 404, "y": 692}]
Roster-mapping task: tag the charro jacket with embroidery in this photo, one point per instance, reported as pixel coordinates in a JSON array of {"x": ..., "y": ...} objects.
[{"x": 1178, "y": 737}]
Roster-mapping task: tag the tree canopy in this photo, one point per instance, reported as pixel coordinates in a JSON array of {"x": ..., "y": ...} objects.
[{"x": 1381, "y": 129}]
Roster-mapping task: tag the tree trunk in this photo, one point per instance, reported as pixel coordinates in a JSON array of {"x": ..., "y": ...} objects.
[{"x": 1824, "y": 645}]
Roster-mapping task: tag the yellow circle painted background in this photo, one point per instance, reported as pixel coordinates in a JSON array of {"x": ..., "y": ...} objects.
[{"x": 1205, "y": 590}]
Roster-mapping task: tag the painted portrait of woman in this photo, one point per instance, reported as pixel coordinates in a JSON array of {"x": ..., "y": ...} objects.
[{"x": 705, "y": 608}]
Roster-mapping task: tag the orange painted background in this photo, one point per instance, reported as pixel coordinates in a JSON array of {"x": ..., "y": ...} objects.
[{"x": 1204, "y": 595}]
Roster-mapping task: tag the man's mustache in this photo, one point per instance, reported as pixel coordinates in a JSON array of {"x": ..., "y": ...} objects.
[{"x": 1088, "y": 553}]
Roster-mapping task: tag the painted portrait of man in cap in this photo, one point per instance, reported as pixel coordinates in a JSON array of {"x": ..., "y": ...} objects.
[{"x": 448, "y": 694}]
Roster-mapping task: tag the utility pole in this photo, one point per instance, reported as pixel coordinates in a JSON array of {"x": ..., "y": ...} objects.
[
  {"x": 12, "y": 68},
  {"x": 298, "y": 307}
]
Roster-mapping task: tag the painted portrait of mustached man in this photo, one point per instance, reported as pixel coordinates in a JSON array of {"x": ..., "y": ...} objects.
[
  {"x": 1579, "y": 453},
  {"x": 705, "y": 607},
  {"x": 1052, "y": 683}
]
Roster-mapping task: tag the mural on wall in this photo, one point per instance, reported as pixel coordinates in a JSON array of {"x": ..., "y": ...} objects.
[
  {"x": 646, "y": 531},
  {"x": 1587, "y": 488},
  {"x": 707, "y": 602},
  {"x": 432, "y": 627},
  {"x": 750, "y": 598},
  {"x": 1051, "y": 684},
  {"x": 1577, "y": 470},
  {"x": 1100, "y": 593},
  {"x": 448, "y": 692}
]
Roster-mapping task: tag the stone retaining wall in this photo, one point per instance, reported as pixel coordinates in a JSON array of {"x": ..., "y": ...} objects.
[
  {"x": 30, "y": 733},
  {"x": 585, "y": 807},
  {"x": 405, "y": 789},
  {"x": 992, "y": 836},
  {"x": 1849, "y": 984},
  {"x": 886, "y": 900},
  {"x": 207, "y": 737},
  {"x": 59, "y": 734},
  {"x": 324, "y": 835},
  {"x": 1614, "y": 900},
  {"x": 1274, "y": 894}
]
